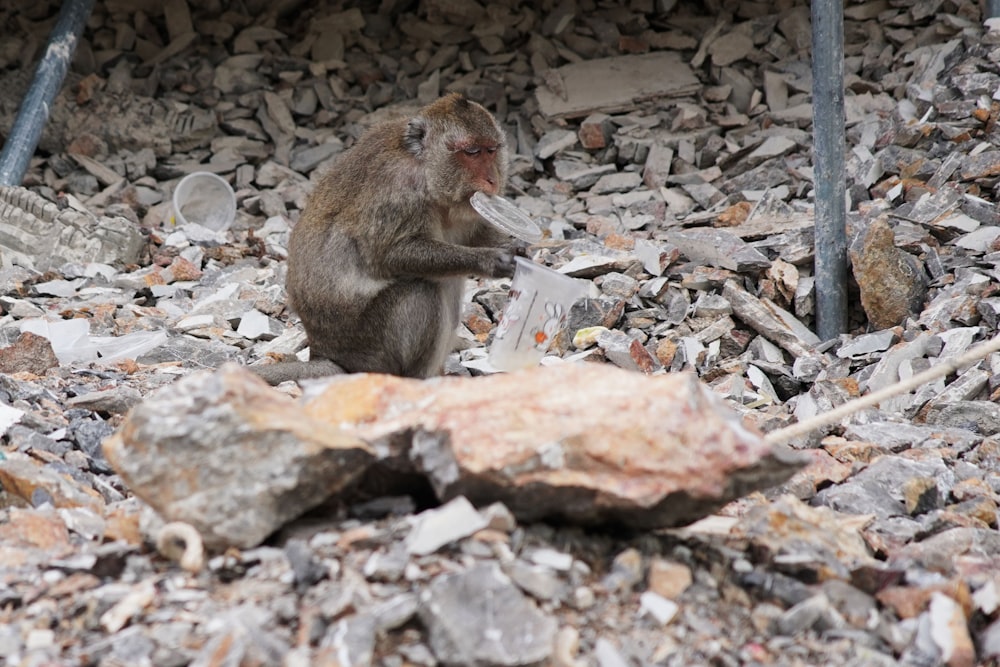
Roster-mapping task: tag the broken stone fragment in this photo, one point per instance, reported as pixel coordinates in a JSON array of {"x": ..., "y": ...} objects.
[
  {"x": 614, "y": 84},
  {"x": 824, "y": 542},
  {"x": 230, "y": 456},
  {"x": 554, "y": 141},
  {"x": 891, "y": 281},
  {"x": 121, "y": 121},
  {"x": 772, "y": 322},
  {"x": 479, "y": 617},
  {"x": 720, "y": 248},
  {"x": 655, "y": 451},
  {"x": 29, "y": 354},
  {"x": 595, "y": 131},
  {"x": 34, "y": 483},
  {"x": 33, "y": 535},
  {"x": 437, "y": 527},
  {"x": 626, "y": 352},
  {"x": 36, "y": 233}
]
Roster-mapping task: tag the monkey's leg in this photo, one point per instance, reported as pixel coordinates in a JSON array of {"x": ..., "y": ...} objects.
[{"x": 407, "y": 330}]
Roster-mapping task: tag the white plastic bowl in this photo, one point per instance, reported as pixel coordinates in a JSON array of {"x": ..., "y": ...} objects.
[{"x": 206, "y": 199}]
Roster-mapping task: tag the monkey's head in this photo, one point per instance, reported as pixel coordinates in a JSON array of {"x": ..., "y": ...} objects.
[{"x": 461, "y": 146}]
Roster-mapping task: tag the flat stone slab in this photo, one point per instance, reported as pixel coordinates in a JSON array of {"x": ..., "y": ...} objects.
[{"x": 614, "y": 84}]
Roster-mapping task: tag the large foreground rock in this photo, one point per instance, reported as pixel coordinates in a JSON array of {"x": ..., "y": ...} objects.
[
  {"x": 589, "y": 443},
  {"x": 230, "y": 456}
]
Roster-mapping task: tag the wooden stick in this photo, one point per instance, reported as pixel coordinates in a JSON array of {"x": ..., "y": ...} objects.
[{"x": 787, "y": 433}]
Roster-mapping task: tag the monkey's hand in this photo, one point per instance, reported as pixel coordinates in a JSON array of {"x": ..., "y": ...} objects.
[{"x": 503, "y": 262}]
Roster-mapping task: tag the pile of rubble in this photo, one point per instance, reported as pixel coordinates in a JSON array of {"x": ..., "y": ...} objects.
[{"x": 664, "y": 147}]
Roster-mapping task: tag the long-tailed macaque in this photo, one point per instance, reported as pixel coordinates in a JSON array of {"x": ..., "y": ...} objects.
[{"x": 377, "y": 261}]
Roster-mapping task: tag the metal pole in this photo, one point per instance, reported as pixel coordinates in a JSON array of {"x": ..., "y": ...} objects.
[
  {"x": 828, "y": 163},
  {"x": 37, "y": 102}
]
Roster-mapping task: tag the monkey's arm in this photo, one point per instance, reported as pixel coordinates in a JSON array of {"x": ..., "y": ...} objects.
[
  {"x": 418, "y": 256},
  {"x": 486, "y": 235}
]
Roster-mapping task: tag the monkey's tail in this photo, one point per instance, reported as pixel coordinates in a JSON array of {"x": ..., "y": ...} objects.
[{"x": 296, "y": 370}]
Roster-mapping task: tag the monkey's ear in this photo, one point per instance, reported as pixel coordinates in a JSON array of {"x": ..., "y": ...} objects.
[{"x": 414, "y": 135}]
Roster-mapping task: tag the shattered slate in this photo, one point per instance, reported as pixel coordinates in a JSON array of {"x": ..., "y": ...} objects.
[{"x": 614, "y": 84}]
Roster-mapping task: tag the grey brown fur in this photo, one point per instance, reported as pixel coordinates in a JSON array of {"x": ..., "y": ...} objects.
[{"x": 377, "y": 261}]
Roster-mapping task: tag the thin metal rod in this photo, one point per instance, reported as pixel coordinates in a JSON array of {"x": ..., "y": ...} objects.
[
  {"x": 37, "y": 102},
  {"x": 828, "y": 163},
  {"x": 787, "y": 433}
]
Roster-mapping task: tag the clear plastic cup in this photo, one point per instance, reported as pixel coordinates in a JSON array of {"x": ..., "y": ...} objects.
[
  {"x": 540, "y": 299},
  {"x": 206, "y": 199}
]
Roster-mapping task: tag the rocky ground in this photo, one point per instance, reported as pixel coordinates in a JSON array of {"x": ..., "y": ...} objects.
[{"x": 665, "y": 148}]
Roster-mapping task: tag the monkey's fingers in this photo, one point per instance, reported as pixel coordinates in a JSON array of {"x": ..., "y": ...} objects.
[
  {"x": 504, "y": 265},
  {"x": 519, "y": 248}
]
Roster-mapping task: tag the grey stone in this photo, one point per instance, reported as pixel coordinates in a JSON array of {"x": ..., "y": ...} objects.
[
  {"x": 191, "y": 352},
  {"x": 554, "y": 141},
  {"x": 865, "y": 344},
  {"x": 980, "y": 416},
  {"x": 815, "y": 612},
  {"x": 877, "y": 489},
  {"x": 395, "y": 612},
  {"x": 855, "y": 606},
  {"x": 352, "y": 639},
  {"x": 307, "y": 159},
  {"x": 538, "y": 581},
  {"x": 478, "y": 617},
  {"x": 608, "y": 655},
  {"x": 773, "y": 147},
  {"x": 625, "y": 181},
  {"x": 387, "y": 565},
  {"x": 659, "y": 607},
  {"x": 180, "y": 460},
  {"x": 619, "y": 286},
  {"x": 989, "y": 640},
  {"x": 437, "y": 527},
  {"x": 581, "y": 175},
  {"x": 37, "y": 235},
  {"x": 719, "y": 247},
  {"x": 895, "y": 436},
  {"x": 255, "y": 325},
  {"x": 306, "y": 568}
]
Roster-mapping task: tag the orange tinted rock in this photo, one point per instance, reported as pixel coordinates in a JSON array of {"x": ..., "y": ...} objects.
[
  {"x": 39, "y": 529},
  {"x": 237, "y": 476},
  {"x": 26, "y": 479},
  {"x": 891, "y": 281},
  {"x": 31, "y": 353},
  {"x": 587, "y": 442},
  {"x": 734, "y": 215},
  {"x": 668, "y": 578}
]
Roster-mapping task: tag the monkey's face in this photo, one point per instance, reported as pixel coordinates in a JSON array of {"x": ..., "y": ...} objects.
[
  {"x": 478, "y": 160},
  {"x": 462, "y": 148}
]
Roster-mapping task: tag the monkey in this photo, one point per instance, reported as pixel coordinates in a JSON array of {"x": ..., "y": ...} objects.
[{"x": 378, "y": 259}]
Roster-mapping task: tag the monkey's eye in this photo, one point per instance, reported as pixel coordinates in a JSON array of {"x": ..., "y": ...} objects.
[
  {"x": 491, "y": 150},
  {"x": 471, "y": 150}
]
